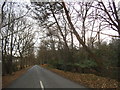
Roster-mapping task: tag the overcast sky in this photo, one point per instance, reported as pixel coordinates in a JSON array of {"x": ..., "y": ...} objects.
[{"x": 103, "y": 36}]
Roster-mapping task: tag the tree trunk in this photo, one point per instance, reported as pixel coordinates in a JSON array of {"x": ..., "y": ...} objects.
[
  {"x": 97, "y": 60},
  {"x": 3, "y": 61},
  {"x": 21, "y": 61},
  {"x": 66, "y": 47}
]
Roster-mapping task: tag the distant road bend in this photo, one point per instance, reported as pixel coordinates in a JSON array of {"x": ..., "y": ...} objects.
[{"x": 38, "y": 77}]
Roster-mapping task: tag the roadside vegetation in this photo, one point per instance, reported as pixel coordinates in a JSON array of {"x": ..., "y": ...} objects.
[
  {"x": 80, "y": 62},
  {"x": 87, "y": 80}
]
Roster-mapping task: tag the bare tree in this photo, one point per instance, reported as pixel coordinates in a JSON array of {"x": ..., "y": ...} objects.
[
  {"x": 109, "y": 14},
  {"x": 99, "y": 62},
  {"x": 10, "y": 31}
]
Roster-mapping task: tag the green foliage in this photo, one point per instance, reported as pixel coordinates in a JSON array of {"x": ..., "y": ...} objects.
[
  {"x": 56, "y": 64},
  {"x": 86, "y": 64},
  {"x": 109, "y": 53},
  {"x": 80, "y": 61}
]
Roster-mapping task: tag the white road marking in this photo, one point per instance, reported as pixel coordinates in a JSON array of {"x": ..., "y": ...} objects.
[{"x": 41, "y": 84}]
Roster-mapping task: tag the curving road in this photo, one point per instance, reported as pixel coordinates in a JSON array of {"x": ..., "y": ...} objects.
[{"x": 38, "y": 77}]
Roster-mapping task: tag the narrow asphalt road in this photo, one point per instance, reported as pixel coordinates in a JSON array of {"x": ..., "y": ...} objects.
[{"x": 38, "y": 77}]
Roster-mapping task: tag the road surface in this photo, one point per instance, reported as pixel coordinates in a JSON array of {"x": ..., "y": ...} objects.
[{"x": 38, "y": 77}]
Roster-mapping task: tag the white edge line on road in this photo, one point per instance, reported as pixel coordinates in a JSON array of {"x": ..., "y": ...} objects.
[{"x": 41, "y": 84}]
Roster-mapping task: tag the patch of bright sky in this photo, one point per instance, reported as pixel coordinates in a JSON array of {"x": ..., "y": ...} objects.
[
  {"x": 103, "y": 36},
  {"x": 105, "y": 31},
  {"x": 21, "y": 1}
]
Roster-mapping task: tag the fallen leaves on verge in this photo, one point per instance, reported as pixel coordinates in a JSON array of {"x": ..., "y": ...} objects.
[
  {"x": 7, "y": 79},
  {"x": 88, "y": 80}
]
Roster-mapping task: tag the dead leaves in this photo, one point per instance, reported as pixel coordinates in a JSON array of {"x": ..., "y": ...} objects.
[
  {"x": 88, "y": 80},
  {"x": 6, "y": 80}
]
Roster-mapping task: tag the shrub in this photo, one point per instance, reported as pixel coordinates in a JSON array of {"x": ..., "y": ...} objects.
[{"x": 86, "y": 64}]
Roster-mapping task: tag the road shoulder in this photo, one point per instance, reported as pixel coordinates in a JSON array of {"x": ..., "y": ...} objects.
[{"x": 8, "y": 79}]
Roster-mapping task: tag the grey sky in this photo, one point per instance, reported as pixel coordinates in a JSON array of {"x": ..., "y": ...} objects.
[{"x": 75, "y": 40}]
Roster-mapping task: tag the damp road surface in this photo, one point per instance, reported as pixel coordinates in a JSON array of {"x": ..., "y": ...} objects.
[{"x": 38, "y": 77}]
